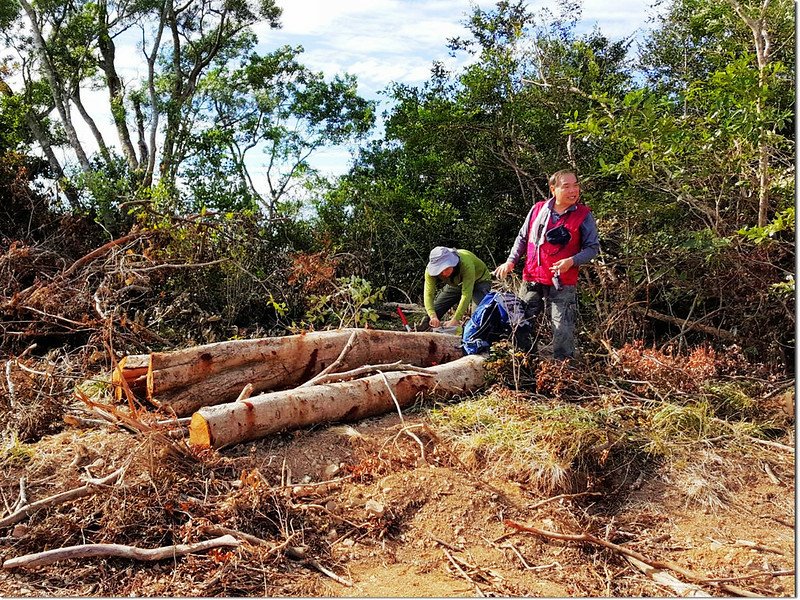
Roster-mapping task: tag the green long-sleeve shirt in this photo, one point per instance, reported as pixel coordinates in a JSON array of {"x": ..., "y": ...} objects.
[{"x": 470, "y": 269}]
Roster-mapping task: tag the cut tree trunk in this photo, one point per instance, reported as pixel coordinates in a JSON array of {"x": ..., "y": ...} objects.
[
  {"x": 265, "y": 414},
  {"x": 132, "y": 369},
  {"x": 186, "y": 380}
]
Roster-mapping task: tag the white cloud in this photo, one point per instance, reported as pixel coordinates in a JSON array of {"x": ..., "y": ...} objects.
[{"x": 386, "y": 41}]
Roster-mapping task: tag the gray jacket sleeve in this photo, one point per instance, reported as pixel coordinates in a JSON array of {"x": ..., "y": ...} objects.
[{"x": 590, "y": 241}]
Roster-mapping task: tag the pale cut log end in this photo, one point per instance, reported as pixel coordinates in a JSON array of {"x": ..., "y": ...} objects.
[
  {"x": 199, "y": 432},
  {"x": 117, "y": 377},
  {"x": 149, "y": 383},
  {"x": 130, "y": 372}
]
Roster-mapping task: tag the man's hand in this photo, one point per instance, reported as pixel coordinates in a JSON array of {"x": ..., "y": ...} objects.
[
  {"x": 452, "y": 323},
  {"x": 504, "y": 270},
  {"x": 565, "y": 264},
  {"x": 435, "y": 322}
]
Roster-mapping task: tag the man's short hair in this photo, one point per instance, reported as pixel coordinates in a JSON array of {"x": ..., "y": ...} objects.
[{"x": 555, "y": 178}]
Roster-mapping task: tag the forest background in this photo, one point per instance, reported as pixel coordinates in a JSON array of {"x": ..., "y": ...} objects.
[
  {"x": 672, "y": 432},
  {"x": 685, "y": 148}
]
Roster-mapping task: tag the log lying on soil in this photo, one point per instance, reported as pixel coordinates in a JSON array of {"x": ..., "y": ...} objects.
[
  {"x": 265, "y": 414},
  {"x": 186, "y": 380}
]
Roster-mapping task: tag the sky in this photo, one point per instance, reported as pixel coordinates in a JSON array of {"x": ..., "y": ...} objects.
[
  {"x": 380, "y": 42},
  {"x": 385, "y": 41}
]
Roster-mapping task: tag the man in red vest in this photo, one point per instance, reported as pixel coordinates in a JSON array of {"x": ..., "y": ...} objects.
[{"x": 557, "y": 236}]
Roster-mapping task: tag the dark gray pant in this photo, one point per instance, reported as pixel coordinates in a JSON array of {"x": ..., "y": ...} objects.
[
  {"x": 563, "y": 314},
  {"x": 450, "y": 295}
]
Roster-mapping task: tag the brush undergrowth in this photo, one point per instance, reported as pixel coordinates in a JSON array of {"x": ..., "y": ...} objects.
[{"x": 579, "y": 424}]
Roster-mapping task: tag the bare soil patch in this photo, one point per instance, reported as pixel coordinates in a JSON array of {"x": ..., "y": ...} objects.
[{"x": 385, "y": 514}]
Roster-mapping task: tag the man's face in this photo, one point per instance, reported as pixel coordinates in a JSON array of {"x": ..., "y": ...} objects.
[
  {"x": 567, "y": 190},
  {"x": 446, "y": 273}
]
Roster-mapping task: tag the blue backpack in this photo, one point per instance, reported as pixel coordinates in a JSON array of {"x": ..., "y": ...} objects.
[{"x": 498, "y": 314}]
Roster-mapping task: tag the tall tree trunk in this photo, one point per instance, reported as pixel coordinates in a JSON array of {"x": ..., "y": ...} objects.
[
  {"x": 41, "y": 136},
  {"x": 55, "y": 87},
  {"x": 98, "y": 136},
  {"x": 155, "y": 112},
  {"x": 763, "y": 48},
  {"x": 115, "y": 91}
]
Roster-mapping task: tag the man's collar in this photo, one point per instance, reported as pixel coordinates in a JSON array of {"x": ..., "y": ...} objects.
[{"x": 551, "y": 205}]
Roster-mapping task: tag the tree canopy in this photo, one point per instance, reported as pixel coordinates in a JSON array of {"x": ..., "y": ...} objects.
[{"x": 683, "y": 140}]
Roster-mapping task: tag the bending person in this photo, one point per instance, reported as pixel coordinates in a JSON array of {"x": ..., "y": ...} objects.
[{"x": 466, "y": 279}]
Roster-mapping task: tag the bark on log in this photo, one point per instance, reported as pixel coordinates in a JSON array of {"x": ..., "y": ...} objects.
[
  {"x": 262, "y": 415},
  {"x": 186, "y": 380}
]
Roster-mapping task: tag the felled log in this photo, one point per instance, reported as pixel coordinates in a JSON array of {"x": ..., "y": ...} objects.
[
  {"x": 265, "y": 414},
  {"x": 185, "y": 380}
]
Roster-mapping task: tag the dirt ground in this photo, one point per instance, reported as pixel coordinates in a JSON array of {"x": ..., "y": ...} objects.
[{"x": 373, "y": 511}]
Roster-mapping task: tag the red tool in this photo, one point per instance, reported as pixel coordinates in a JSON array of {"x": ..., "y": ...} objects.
[{"x": 403, "y": 319}]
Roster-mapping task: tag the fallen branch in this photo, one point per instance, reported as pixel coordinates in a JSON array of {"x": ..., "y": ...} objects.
[
  {"x": 335, "y": 364},
  {"x": 656, "y": 564},
  {"x": 48, "y": 557},
  {"x": 463, "y": 573},
  {"x": 686, "y": 323},
  {"x": 86, "y": 490},
  {"x": 562, "y": 497}
]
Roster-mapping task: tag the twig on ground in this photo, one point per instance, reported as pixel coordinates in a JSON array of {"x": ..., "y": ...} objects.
[
  {"x": 353, "y": 373},
  {"x": 78, "y": 421},
  {"x": 771, "y": 474},
  {"x": 12, "y": 396},
  {"x": 786, "y": 573},
  {"x": 85, "y": 490},
  {"x": 667, "y": 579},
  {"x": 284, "y": 547},
  {"x": 561, "y": 497},
  {"x": 757, "y": 546},
  {"x": 443, "y": 543},
  {"x": 525, "y": 564},
  {"x": 778, "y": 520},
  {"x": 773, "y": 444},
  {"x": 104, "y": 550},
  {"x": 657, "y": 564},
  {"x": 394, "y": 398},
  {"x": 463, "y": 573},
  {"x": 23, "y": 495}
]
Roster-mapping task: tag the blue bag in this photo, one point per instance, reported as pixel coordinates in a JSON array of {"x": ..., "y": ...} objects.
[{"x": 498, "y": 314}]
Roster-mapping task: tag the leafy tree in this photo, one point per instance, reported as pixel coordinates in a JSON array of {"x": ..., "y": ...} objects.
[
  {"x": 696, "y": 155},
  {"x": 275, "y": 104},
  {"x": 204, "y": 103},
  {"x": 466, "y": 148}
]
